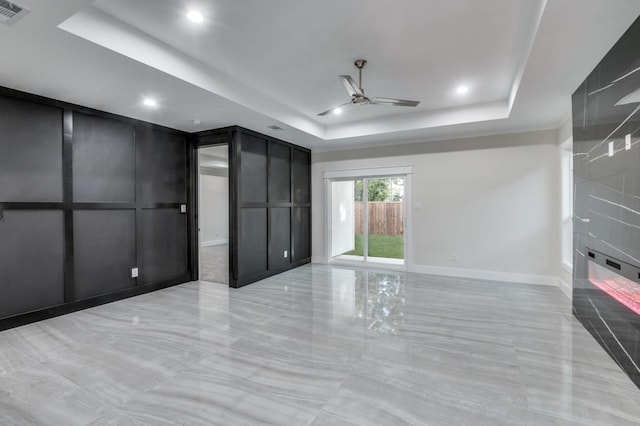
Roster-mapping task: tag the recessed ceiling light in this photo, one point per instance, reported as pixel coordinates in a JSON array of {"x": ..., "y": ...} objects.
[
  {"x": 461, "y": 90},
  {"x": 150, "y": 102},
  {"x": 195, "y": 16},
  {"x": 337, "y": 111}
]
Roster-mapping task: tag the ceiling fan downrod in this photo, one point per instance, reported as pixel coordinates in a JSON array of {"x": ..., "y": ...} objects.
[{"x": 360, "y": 63}]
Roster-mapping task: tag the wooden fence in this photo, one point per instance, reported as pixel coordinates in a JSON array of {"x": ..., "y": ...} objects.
[{"x": 385, "y": 217}]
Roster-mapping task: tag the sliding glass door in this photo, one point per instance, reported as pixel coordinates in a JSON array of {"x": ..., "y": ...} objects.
[{"x": 368, "y": 220}]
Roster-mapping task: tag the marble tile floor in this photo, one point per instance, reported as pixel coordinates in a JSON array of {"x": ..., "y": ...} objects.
[{"x": 318, "y": 345}]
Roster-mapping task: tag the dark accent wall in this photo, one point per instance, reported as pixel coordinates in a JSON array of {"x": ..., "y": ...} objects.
[
  {"x": 84, "y": 197},
  {"x": 269, "y": 206},
  {"x": 607, "y": 194}
]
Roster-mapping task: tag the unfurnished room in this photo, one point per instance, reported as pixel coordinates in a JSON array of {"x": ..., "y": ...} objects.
[{"x": 337, "y": 212}]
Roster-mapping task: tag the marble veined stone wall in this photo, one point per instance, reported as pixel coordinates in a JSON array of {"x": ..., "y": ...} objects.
[{"x": 606, "y": 147}]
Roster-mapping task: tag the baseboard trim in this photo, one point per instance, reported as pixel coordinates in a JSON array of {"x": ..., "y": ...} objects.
[
  {"x": 475, "y": 273},
  {"x": 214, "y": 242},
  {"x": 565, "y": 288},
  {"x": 486, "y": 275}
]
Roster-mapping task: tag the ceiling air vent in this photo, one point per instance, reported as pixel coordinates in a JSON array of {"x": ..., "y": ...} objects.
[
  {"x": 11, "y": 12},
  {"x": 274, "y": 127}
]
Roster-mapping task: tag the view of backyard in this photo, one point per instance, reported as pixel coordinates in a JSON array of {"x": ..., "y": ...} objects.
[
  {"x": 376, "y": 209},
  {"x": 389, "y": 246}
]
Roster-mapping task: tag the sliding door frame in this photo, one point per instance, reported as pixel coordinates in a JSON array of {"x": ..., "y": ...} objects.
[{"x": 405, "y": 172}]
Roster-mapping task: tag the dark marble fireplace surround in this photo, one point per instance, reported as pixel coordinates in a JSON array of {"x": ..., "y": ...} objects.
[{"x": 606, "y": 154}]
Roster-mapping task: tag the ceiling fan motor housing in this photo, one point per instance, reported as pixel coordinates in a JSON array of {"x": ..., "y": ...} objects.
[{"x": 360, "y": 63}]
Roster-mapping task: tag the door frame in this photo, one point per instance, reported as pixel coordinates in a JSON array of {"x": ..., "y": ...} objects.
[
  {"x": 198, "y": 211},
  {"x": 199, "y": 140},
  {"x": 378, "y": 172}
]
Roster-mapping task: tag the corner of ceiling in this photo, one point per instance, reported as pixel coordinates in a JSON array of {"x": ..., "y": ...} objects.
[
  {"x": 530, "y": 38},
  {"x": 108, "y": 32}
]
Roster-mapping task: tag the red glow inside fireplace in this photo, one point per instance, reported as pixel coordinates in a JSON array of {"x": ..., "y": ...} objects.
[{"x": 620, "y": 288}]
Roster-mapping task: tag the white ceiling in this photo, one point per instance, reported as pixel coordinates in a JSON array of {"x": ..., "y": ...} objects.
[{"x": 257, "y": 63}]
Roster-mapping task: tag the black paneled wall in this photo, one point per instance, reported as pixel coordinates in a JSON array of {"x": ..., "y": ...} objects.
[
  {"x": 270, "y": 203},
  {"x": 85, "y": 197},
  {"x": 606, "y": 149},
  {"x": 272, "y": 234}
]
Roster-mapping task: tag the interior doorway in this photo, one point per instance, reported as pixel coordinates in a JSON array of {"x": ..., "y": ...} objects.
[
  {"x": 213, "y": 214},
  {"x": 368, "y": 219}
]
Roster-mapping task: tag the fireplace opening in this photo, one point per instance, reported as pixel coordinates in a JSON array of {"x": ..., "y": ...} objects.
[{"x": 617, "y": 279}]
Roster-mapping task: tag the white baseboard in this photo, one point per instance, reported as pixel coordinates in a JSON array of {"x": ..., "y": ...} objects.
[
  {"x": 214, "y": 242},
  {"x": 565, "y": 288},
  {"x": 479, "y": 274},
  {"x": 486, "y": 275}
]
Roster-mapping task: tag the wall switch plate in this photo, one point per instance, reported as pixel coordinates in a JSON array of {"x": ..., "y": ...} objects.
[
  {"x": 183, "y": 208},
  {"x": 454, "y": 257},
  {"x": 610, "y": 148},
  {"x": 285, "y": 254},
  {"x": 627, "y": 142},
  {"x": 134, "y": 272}
]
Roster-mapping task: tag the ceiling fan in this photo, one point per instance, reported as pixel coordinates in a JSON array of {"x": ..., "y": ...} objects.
[{"x": 357, "y": 93}]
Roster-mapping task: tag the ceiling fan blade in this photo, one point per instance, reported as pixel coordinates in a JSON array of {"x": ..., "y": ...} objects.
[
  {"x": 393, "y": 102},
  {"x": 322, "y": 114},
  {"x": 351, "y": 85}
]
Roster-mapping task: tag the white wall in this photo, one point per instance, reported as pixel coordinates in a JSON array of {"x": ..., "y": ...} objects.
[
  {"x": 493, "y": 201},
  {"x": 214, "y": 210},
  {"x": 342, "y": 217},
  {"x": 565, "y": 131}
]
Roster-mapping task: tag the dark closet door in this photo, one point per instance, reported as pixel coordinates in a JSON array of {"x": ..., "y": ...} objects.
[
  {"x": 163, "y": 236},
  {"x": 253, "y": 214}
]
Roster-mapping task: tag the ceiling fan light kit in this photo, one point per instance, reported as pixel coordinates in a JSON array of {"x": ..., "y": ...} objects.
[{"x": 358, "y": 97}]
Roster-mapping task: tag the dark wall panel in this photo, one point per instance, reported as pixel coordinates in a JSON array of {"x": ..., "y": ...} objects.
[
  {"x": 252, "y": 242},
  {"x": 164, "y": 245},
  {"x": 104, "y": 246},
  {"x": 269, "y": 180},
  {"x": 300, "y": 166},
  {"x": 280, "y": 238},
  {"x": 163, "y": 171},
  {"x": 301, "y": 233},
  {"x": 280, "y": 175},
  {"x": 113, "y": 187},
  {"x": 253, "y": 175},
  {"x": 103, "y": 159},
  {"x": 31, "y": 261},
  {"x": 30, "y": 151}
]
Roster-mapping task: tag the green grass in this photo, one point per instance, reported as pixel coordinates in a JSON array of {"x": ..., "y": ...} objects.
[{"x": 390, "y": 246}]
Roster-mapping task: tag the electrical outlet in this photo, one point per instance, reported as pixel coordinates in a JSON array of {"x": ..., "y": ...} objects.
[
  {"x": 627, "y": 142},
  {"x": 611, "y": 149},
  {"x": 454, "y": 257},
  {"x": 183, "y": 208},
  {"x": 285, "y": 254},
  {"x": 134, "y": 272}
]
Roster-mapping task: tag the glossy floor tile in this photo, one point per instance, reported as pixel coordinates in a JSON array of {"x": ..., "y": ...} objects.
[{"x": 318, "y": 345}]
